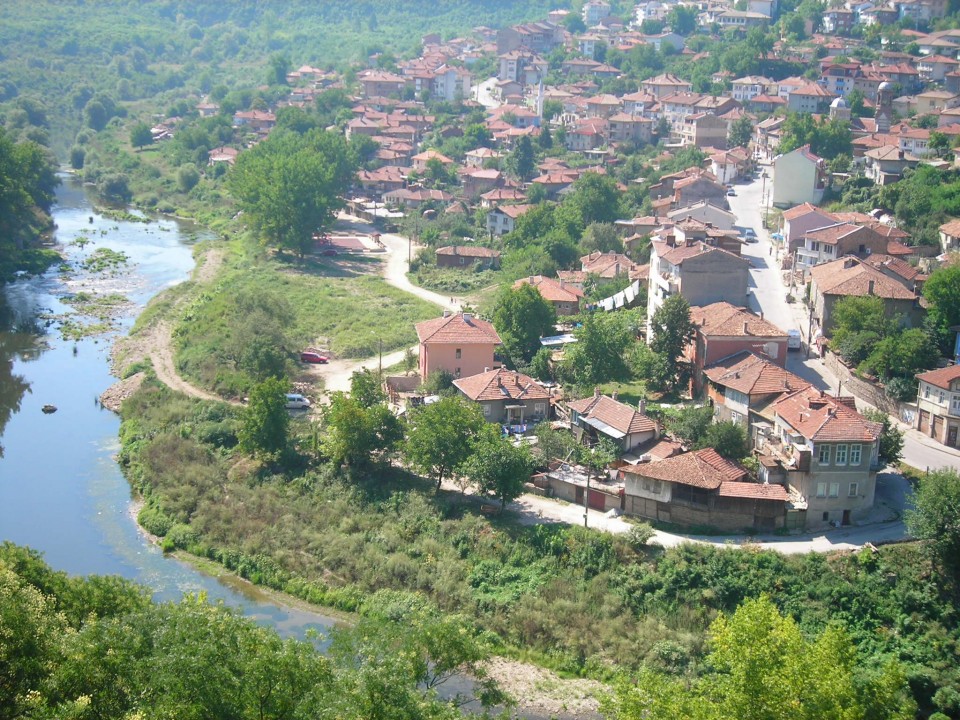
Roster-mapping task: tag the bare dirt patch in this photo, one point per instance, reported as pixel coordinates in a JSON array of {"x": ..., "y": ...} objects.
[{"x": 546, "y": 692}]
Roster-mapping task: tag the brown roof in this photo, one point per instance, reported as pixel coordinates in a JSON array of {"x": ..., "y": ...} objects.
[
  {"x": 753, "y": 491},
  {"x": 501, "y": 384},
  {"x": 677, "y": 255},
  {"x": 753, "y": 375},
  {"x": 614, "y": 413},
  {"x": 851, "y": 276},
  {"x": 457, "y": 328},
  {"x": 474, "y": 251},
  {"x": 951, "y": 228},
  {"x": 942, "y": 377},
  {"x": 703, "y": 469},
  {"x": 823, "y": 418},
  {"x": 552, "y": 290},
  {"x": 894, "y": 265},
  {"x": 724, "y": 319}
]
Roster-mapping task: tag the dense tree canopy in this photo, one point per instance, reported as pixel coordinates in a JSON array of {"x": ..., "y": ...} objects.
[
  {"x": 27, "y": 184},
  {"x": 522, "y": 316},
  {"x": 290, "y": 186}
]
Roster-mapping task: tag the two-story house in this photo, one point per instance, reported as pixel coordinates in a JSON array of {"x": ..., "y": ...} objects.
[
  {"x": 565, "y": 298},
  {"x": 744, "y": 383},
  {"x": 506, "y": 397},
  {"x": 459, "y": 343},
  {"x": 938, "y": 404},
  {"x": 799, "y": 176},
  {"x": 835, "y": 241},
  {"x": 827, "y": 455},
  {"x": 723, "y": 330},
  {"x": 503, "y": 220}
]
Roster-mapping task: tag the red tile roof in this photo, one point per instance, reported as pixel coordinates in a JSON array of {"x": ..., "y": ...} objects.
[
  {"x": 823, "y": 418},
  {"x": 753, "y": 491},
  {"x": 552, "y": 290},
  {"x": 753, "y": 375},
  {"x": 501, "y": 384},
  {"x": 702, "y": 469},
  {"x": 614, "y": 413},
  {"x": 942, "y": 377},
  {"x": 457, "y": 328},
  {"x": 850, "y": 276},
  {"x": 726, "y": 320}
]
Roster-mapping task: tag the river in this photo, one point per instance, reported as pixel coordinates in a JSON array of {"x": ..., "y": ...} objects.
[{"x": 61, "y": 490}]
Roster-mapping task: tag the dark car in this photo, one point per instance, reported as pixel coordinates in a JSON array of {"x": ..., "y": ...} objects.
[{"x": 308, "y": 356}]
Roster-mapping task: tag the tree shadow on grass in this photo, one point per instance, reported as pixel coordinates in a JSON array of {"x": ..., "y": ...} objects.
[{"x": 338, "y": 266}]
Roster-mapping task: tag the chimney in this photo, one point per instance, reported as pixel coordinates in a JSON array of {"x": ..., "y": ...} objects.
[
  {"x": 561, "y": 282},
  {"x": 614, "y": 395},
  {"x": 642, "y": 406},
  {"x": 870, "y": 287},
  {"x": 761, "y": 314},
  {"x": 596, "y": 391},
  {"x": 746, "y": 328},
  {"x": 446, "y": 313},
  {"x": 467, "y": 317},
  {"x": 486, "y": 369},
  {"x": 530, "y": 279}
]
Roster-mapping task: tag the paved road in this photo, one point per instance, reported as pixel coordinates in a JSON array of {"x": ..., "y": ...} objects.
[
  {"x": 483, "y": 93},
  {"x": 769, "y": 296}
]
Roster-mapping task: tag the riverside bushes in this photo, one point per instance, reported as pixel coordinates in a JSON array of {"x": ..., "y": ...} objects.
[{"x": 574, "y": 599}]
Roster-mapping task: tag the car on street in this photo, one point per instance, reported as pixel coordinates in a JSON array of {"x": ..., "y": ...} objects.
[
  {"x": 731, "y": 192},
  {"x": 793, "y": 340},
  {"x": 296, "y": 401},
  {"x": 308, "y": 356},
  {"x": 749, "y": 235}
]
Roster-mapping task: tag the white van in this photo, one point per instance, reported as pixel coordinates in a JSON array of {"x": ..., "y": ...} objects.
[
  {"x": 793, "y": 340},
  {"x": 295, "y": 401}
]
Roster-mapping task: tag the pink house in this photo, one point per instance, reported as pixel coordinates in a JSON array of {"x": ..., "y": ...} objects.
[{"x": 459, "y": 343}]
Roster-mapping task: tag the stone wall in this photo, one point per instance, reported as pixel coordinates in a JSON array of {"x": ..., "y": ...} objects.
[{"x": 869, "y": 392}]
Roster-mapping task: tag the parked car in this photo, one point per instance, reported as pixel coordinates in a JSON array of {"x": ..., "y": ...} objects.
[
  {"x": 308, "y": 356},
  {"x": 295, "y": 401},
  {"x": 731, "y": 192},
  {"x": 749, "y": 235},
  {"x": 793, "y": 340}
]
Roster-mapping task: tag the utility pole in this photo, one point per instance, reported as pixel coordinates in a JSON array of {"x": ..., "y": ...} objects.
[
  {"x": 380, "y": 370},
  {"x": 586, "y": 499}
]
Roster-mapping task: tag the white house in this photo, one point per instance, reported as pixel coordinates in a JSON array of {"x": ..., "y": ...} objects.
[{"x": 799, "y": 176}]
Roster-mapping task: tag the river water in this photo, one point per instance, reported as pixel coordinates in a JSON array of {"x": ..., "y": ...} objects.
[{"x": 61, "y": 490}]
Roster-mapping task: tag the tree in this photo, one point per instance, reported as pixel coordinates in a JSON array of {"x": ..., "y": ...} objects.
[
  {"x": 522, "y": 160},
  {"x": 553, "y": 444},
  {"x": 277, "y": 70},
  {"x": 858, "y": 323},
  {"x": 140, "y": 135},
  {"x": 522, "y": 316},
  {"x": 817, "y": 679},
  {"x": 689, "y": 424},
  {"x": 366, "y": 388},
  {"x": 682, "y": 20},
  {"x": 265, "y": 422},
  {"x": 729, "y": 439},
  {"x": 741, "y": 132},
  {"x": 544, "y": 139},
  {"x": 187, "y": 177},
  {"x": 903, "y": 354},
  {"x": 672, "y": 331},
  {"x": 440, "y": 436},
  {"x": 498, "y": 467},
  {"x": 602, "y": 237},
  {"x": 933, "y": 517},
  {"x": 600, "y": 353},
  {"x": 290, "y": 187},
  {"x": 355, "y": 433},
  {"x": 826, "y": 138},
  {"x": 942, "y": 290},
  {"x": 95, "y": 115},
  {"x": 891, "y": 437}
]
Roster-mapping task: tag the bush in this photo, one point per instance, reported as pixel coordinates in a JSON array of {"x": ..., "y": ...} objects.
[
  {"x": 187, "y": 177},
  {"x": 902, "y": 389},
  {"x": 639, "y": 535}
]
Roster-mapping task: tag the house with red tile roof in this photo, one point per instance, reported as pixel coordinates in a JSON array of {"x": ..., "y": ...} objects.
[
  {"x": 838, "y": 240},
  {"x": 506, "y": 397},
  {"x": 744, "y": 383},
  {"x": 852, "y": 277},
  {"x": 702, "y": 488},
  {"x": 723, "y": 330},
  {"x": 459, "y": 343},
  {"x": 825, "y": 453},
  {"x": 938, "y": 404},
  {"x": 503, "y": 219},
  {"x": 600, "y": 416},
  {"x": 565, "y": 298},
  {"x": 467, "y": 255}
]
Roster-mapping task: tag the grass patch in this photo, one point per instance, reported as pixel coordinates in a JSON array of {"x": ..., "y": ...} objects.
[
  {"x": 453, "y": 280},
  {"x": 630, "y": 393},
  {"x": 104, "y": 259},
  {"x": 32, "y": 261}
]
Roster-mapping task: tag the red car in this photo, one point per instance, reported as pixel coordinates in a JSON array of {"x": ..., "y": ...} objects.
[{"x": 312, "y": 357}]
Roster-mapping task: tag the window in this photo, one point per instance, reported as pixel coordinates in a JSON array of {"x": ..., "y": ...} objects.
[
  {"x": 942, "y": 397},
  {"x": 855, "y": 454},
  {"x": 841, "y": 458},
  {"x": 824, "y": 457},
  {"x": 854, "y": 490},
  {"x": 736, "y": 396},
  {"x": 834, "y": 489},
  {"x": 486, "y": 410},
  {"x": 457, "y": 372},
  {"x": 735, "y": 417},
  {"x": 826, "y": 517},
  {"x": 539, "y": 408},
  {"x": 459, "y": 352},
  {"x": 828, "y": 249},
  {"x": 926, "y": 391},
  {"x": 821, "y": 490}
]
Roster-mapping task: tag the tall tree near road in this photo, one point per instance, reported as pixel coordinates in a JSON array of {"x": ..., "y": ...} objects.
[
  {"x": 263, "y": 431},
  {"x": 942, "y": 289},
  {"x": 498, "y": 467},
  {"x": 354, "y": 434},
  {"x": 440, "y": 436},
  {"x": 672, "y": 331},
  {"x": 140, "y": 135},
  {"x": 741, "y": 131},
  {"x": 291, "y": 186}
]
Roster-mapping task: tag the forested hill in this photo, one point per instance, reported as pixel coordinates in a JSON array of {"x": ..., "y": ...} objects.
[{"x": 57, "y": 57}]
